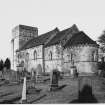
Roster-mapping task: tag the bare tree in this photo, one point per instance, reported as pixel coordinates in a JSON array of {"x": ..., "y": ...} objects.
[{"x": 101, "y": 40}]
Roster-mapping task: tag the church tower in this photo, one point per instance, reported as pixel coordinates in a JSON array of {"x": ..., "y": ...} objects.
[{"x": 20, "y": 35}]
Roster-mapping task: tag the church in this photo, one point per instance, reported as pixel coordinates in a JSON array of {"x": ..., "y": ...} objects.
[{"x": 56, "y": 49}]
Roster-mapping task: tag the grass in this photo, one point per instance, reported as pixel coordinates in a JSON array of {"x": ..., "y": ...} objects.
[{"x": 67, "y": 92}]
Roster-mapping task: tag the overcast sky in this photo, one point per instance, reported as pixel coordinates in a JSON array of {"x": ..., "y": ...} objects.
[{"x": 88, "y": 15}]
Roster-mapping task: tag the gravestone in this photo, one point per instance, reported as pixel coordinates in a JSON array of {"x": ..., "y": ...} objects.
[
  {"x": 33, "y": 74},
  {"x": 39, "y": 70},
  {"x": 18, "y": 76},
  {"x": 54, "y": 80},
  {"x": 24, "y": 96},
  {"x": 33, "y": 78},
  {"x": 32, "y": 88},
  {"x": 85, "y": 88},
  {"x": 74, "y": 72},
  {"x": 39, "y": 73}
]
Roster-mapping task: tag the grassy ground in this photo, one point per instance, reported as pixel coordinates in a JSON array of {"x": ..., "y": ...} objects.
[{"x": 66, "y": 94}]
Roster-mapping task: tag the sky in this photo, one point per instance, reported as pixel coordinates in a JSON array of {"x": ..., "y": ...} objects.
[{"x": 88, "y": 15}]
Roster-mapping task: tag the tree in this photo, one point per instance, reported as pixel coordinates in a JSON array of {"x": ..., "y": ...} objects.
[
  {"x": 101, "y": 40},
  {"x": 1, "y": 65},
  {"x": 7, "y": 63}
]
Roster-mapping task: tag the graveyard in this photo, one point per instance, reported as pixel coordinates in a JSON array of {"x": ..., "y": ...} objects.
[
  {"x": 48, "y": 89},
  {"x": 55, "y": 67}
]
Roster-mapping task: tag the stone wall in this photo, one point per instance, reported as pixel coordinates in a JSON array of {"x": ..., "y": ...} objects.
[
  {"x": 53, "y": 57},
  {"x": 30, "y": 62},
  {"x": 85, "y": 58}
]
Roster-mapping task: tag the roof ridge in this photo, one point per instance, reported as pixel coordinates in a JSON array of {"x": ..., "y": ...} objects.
[
  {"x": 80, "y": 38},
  {"x": 65, "y": 37},
  {"x": 60, "y": 35},
  {"x": 57, "y": 30}
]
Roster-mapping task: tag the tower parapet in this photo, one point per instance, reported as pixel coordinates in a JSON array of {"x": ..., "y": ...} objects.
[{"x": 24, "y": 33}]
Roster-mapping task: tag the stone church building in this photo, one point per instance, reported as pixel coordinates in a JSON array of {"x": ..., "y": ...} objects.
[{"x": 54, "y": 49}]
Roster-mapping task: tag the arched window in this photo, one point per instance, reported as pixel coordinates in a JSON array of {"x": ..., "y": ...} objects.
[
  {"x": 35, "y": 55},
  {"x": 27, "y": 56},
  {"x": 50, "y": 55}
]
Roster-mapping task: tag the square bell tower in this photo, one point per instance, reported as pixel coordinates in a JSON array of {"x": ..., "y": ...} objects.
[{"x": 20, "y": 35}]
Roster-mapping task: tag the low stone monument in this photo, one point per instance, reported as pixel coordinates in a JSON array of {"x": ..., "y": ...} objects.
[
  {"x": 39, "y": 73},
  {"x": 39, "y": 69},
  {"x": 85, "y": 89},
  {"x": 74, "y": 72},
  {"x": 24, "y": 98},
  {"x": 33, "y": 78},
  {"x": 54, "y": 80}
]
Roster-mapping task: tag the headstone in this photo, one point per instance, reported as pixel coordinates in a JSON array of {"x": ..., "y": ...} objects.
[
  {"x": 99, "y": 72},
  {"x": 74, "y": 72},
  {"x": 32, "y": 88},
  {"x": 33, "y": 78},
  {"x": 33, "y": 74},
  {"x": 24, "y": 98},
  {"x": 39, "y": 70},
  {"x": 85, "y": 88},
  {"x": 67, "y": 73},
  {"x": 54, "y": 80},
  {"x": 39, "y": 73}
]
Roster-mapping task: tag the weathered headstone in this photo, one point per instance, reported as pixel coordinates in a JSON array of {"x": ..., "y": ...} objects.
[
  {"x": 74, "y": 72},
  {"x": 67, "y": 73},
  {"x": 33, "y": 78},
  {"x": 24, "y": 98},
  {"x": 18, "y": 76},
  {"x": 32, "y": 88},
  {"x": 85, "y": 88},
  {"x": 39, "y": 73},
  {"x": 39, "y": 70},
  {"x": 33, "y": 74},
  {"x": 54, "y": 80}
]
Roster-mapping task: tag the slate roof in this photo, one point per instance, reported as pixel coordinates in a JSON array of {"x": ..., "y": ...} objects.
[
  {"x": 60, "y": 35},
  {"x": 72, "y": 36},
  {"x": 40, "y": 40},
  {"x": 80, "y": 38}
]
